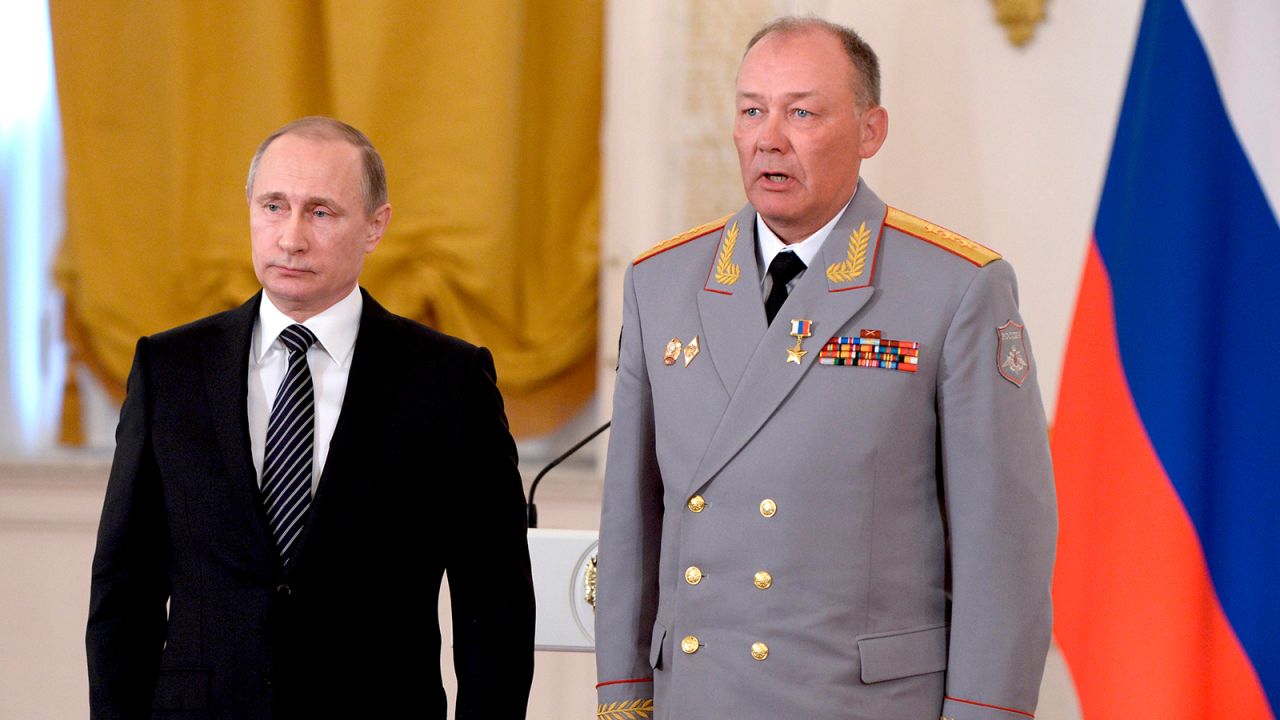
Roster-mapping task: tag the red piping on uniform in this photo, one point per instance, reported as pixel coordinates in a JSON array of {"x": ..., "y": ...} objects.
[
  {"x": 957, "y": 253},
  {"x": 872, "y": 274},
  {"x": 623, "y": 682},
  {"x": 993, "y": 707}
]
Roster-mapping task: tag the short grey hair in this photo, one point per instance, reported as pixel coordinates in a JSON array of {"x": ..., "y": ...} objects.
[
  {"x": 373, "y": 182},
  {"x": 860, "y": 53}
]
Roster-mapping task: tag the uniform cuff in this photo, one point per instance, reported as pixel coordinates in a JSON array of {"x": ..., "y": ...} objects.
[
  {"x": 630, "y": 699},
  {"x": 954, "y": 708}
]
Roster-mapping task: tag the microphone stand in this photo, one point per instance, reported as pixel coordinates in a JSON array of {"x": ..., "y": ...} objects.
[{"x": 531, "y": 510}]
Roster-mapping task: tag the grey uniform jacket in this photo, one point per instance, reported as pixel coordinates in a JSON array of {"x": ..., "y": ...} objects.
[{"x": 788, "y": 536}]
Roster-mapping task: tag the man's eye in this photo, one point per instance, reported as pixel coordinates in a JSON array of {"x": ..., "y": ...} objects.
[
  {"x": 751, "y": 112},
  {"x": 321, "y": 213},
  {"x": 802, "y": 113},
  {"x": 273, "y": 207}
]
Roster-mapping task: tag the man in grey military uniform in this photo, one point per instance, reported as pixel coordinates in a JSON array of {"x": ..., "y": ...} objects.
[{"x": 828, "y": 491}]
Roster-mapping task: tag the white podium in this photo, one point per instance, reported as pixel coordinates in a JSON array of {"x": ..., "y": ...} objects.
[{"x": 564, "y": 588}]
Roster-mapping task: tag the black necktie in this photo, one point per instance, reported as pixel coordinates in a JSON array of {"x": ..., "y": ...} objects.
[
  {"x": 784, "y": 268},
  {"x": 286, "y": 463}
]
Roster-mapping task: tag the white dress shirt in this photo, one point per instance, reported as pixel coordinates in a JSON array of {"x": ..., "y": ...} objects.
[
  {"x": 769, "y": 245},
  {"x": 330, "y": 362}
]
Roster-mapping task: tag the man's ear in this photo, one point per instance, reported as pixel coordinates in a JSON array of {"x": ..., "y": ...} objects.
[
  {"x": 377, "y": 226},
  {"x": 873, "y": 128}
]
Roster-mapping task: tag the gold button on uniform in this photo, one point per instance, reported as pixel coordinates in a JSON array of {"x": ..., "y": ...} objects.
[
  {"x": 768, "y": 507},
  {"x": 693, "y": 575},
  {"x": 696, "y": 503},
  {"x": 759, "y": 650},
  {"x": 689, "y": 645},
  {"x": 763, "y": 580}
]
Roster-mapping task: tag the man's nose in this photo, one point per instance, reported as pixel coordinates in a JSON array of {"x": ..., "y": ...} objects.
[
  {"x": 293, "y": 238},
  {"x": 772, "y": 135}
]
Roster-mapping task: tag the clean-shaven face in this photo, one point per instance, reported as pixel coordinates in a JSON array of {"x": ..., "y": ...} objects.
[
  {"x": 800, "y": 132},
  {"x": 308, "y": 224}
]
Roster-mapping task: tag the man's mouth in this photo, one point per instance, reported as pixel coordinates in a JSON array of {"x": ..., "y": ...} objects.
[{"x": 776, "y": 177}]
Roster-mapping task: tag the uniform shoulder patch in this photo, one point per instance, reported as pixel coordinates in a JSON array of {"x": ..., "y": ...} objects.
[
  {"x": 975, "y": 253},
  {"x": 682, "y": 238}
]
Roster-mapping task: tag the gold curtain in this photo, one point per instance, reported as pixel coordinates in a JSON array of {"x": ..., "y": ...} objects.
[{"x": 486, "y": 112}]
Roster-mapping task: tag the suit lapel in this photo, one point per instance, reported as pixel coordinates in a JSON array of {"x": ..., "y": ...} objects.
[
  {"x": 829, "y": 293},
  {"x": 359, "y": 416},
  {"x": 730, "y": 305},
  {"x": 225, "y": 359}
]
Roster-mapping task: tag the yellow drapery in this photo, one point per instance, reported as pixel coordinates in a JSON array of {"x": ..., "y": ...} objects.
[{"x": 486, "y": 112}]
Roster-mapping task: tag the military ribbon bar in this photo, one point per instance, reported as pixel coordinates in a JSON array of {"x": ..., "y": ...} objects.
[{"x": 900, "y": 355}]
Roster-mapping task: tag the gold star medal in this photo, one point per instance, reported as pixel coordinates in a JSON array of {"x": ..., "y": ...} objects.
[{"x": 800, "y": 329}]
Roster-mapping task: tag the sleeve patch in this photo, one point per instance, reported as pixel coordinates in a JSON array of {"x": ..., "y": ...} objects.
[{"x": 1012, "y": 361}]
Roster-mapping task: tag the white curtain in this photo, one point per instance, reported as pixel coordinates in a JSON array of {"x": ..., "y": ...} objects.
[{"x": 31, "y": 218}]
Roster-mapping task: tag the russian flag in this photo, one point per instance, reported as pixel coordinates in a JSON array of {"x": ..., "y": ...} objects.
[{"x": 1166, "y": 443}]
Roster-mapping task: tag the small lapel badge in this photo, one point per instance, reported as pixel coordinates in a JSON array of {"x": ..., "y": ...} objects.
[
  {"x": 672, "y": 351},
  {"x": 1012, "y": 361},
  {"x": 869, "y": 334},
  {"x": 691, "y": 351},
  {"x": 800, "y": 329}
]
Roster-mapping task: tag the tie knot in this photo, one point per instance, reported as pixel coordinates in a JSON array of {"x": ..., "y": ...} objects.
[
  {"x": 297, "y": 338},
  {"x": 784, "y": 268}
]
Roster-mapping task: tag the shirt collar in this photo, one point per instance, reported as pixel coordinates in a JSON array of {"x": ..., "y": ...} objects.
[
  {"x": 807, "y": 249},
  {"x": 335, "y": 328}
]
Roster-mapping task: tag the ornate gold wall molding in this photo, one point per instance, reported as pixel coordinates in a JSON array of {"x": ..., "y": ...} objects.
[{"x": 1019, "y": 18}]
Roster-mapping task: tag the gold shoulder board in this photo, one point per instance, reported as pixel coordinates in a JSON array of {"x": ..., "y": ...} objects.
[
  {"x": 979, "y": 255},
  {"x": 682, "y": 238}
]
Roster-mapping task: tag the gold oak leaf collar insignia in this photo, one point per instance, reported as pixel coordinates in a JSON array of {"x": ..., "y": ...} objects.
[
  {"x": 855, "y": 261},
  {"x": 727, "y": 272}
]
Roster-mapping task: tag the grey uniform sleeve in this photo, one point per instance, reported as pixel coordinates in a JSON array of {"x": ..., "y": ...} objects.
[
  {"x": 630, "y": 531},
  {"x": 1000, "y": 506}
]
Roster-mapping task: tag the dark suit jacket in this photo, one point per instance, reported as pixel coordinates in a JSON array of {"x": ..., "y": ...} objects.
[{"x": 420, "y": 480}]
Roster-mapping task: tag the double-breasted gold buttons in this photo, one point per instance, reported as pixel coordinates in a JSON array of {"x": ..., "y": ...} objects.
[
  {"x": 759, "y": 651},
  {"x": 768, "y": 507},
  {"x": 763, "y": 580},
  {"x": 689, "y": 645},
  {"x": 697, "y": 503},
  {"x": 693, "y": 575}
]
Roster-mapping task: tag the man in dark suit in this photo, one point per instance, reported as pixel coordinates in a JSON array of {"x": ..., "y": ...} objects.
[{"x": 292, "y": 478}]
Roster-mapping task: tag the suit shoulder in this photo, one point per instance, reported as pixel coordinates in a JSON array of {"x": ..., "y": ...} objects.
[
  {"x": 684, "y": 237},
  {"x": 417, "y": 334},
  {"x": 941, "y": 237},
  {"x": 423, "y": 348},
  {"x": 195, "y": 329}
]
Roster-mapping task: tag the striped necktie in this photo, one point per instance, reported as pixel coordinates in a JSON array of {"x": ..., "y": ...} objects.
[{"x": 286, "y": 465}]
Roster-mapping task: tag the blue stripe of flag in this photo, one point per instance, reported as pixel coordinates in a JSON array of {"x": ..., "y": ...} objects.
[{"x": 1193, "y": 250}]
